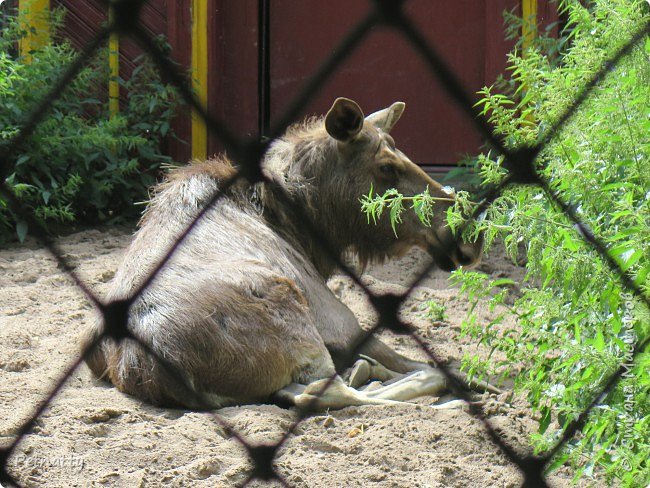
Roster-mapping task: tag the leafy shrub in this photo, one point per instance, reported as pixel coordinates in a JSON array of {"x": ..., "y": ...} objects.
[
  {"x": 576, "y": 322},
  {"x": 79, "y": 164}
]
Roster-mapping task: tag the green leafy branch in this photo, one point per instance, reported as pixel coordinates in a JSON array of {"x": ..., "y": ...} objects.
[
  {"x": 423, "y": 204},
  {"x": 497, "y": 218}
]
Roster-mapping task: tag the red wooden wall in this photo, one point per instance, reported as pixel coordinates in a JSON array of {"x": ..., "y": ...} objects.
[
  {"x": 250, "y": 88},
  {"x": 301, "y": 35},
  {"x": 466, "y": 33},
  {"x": 233, "y": 78}
]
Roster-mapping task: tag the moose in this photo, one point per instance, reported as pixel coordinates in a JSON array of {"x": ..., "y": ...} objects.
[{"x": 242, "y": 311}]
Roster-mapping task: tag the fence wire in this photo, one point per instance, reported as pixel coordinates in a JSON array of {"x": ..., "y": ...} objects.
[{"x": 249, "y": 153}]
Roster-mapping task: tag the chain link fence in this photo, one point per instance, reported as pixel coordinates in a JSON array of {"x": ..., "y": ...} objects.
[{"x": 520, "y": 164}]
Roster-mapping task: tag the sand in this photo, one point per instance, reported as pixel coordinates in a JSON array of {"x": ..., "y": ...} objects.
[{"x": 93, "y": 435}]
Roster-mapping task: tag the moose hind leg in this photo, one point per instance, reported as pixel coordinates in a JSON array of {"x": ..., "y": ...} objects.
[
  {"x": 334, "y": 394},
  {"x": 429, "y": 382},
  {"x": 384, "y": 363}
]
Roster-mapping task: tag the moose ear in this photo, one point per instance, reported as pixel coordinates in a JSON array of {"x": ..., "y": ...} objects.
[
  {"x": 344, "y": 120},
  {"x": 387, "y": 118}
]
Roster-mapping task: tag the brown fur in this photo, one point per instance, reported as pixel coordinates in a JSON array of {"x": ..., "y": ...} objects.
[{"x": 242, "y": 308}]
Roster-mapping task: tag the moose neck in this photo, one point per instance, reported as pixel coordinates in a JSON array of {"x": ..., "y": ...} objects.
[{"x": 300, "y": 203}]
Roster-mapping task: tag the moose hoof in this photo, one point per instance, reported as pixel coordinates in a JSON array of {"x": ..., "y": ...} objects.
[
  {"x": 453, "y": 405},
  {"x": 359, "y": 374}
]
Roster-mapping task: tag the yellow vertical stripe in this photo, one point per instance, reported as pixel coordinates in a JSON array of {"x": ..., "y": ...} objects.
[
  {"x": 199, "y": 75},
  {"x": 114, "y": 68},
  {"x": 529, "y": 27},
  {"x": 35, "y": 18}
]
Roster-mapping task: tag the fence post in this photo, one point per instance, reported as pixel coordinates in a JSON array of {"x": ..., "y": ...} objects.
[
  {"x": 35, "y": 18},
  {"x": 199, "y": 75},
  {"x": 113, "y": 67},
  {"x": 529, "y": 26}
]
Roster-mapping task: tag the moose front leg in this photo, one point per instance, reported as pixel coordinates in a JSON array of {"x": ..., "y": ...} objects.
[
  {"x": 366, "y": 369},
  {"x": 384, "y": 355},
  {"x": 340, "y": 330},
  {"x": 392, "y": 365}
]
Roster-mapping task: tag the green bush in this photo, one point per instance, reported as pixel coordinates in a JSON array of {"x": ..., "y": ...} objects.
[
  {"x": 575, "y": 320},
  {"x": 80, "y": 164}
]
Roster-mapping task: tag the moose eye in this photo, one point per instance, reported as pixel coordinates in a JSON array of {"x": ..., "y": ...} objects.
[{"x": 387, "y": 170}]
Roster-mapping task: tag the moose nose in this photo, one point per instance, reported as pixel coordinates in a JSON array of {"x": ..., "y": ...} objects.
[
  {"x": 450, "y": 254},
  {"x": 468, "y": 254}
]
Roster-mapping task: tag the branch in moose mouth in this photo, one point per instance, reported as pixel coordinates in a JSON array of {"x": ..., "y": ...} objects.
[
  {"x": 373, "y": 205},
  {"x": 423, "y": 204}
]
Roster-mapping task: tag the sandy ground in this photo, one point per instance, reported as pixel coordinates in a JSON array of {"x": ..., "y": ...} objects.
[{"x": 92, "y": 435}]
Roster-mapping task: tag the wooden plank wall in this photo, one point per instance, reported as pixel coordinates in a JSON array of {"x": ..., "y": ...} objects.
[
  {"x": 248, "y": 88},
  {"x": 167, "y": 17}
]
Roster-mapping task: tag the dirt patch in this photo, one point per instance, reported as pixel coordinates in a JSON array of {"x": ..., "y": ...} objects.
[{"x": 92, "y": 435}]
